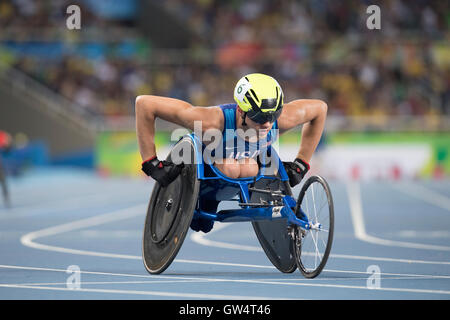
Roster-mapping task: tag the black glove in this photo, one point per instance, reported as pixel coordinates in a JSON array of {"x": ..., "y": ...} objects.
[
  {"x": 162, "y": 171},
  {"x": 296, "y": 170}
]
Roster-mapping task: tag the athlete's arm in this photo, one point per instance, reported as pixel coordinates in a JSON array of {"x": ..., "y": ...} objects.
[
  {"x": 312, "y": 114},
  {"x": 149, "y": 107}
]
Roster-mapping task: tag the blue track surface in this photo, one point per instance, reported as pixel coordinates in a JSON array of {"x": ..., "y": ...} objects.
[{"x": 63, "y": 218}]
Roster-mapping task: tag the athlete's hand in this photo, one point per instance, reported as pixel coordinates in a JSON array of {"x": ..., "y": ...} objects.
[
  {"x": 162, "y": 171},
  {"x": 296, "y": 171}
]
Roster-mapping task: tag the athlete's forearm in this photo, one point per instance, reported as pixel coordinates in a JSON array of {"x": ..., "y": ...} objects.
[
  {"x": 176, "y": 111},
  {"x": 312, "y": 132},
  {"x": 145, "y": 129}
]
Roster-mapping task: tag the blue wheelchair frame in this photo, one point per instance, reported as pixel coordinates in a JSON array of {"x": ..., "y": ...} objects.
[{"x": 226, "y": 189}]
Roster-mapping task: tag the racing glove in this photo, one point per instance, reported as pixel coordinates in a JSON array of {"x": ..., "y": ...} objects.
[
  {"x": 162, "y": 171},
  {"x": 296, "y": 170}
]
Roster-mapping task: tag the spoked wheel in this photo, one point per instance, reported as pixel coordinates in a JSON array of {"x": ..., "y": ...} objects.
[{"x": 312, "y": 247}]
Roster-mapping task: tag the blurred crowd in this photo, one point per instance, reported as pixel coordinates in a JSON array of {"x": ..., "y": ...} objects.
[
  {"x": 315, "y": 49},
  {"x": 102, "y": 87},
  {"x": 323, "y": 49},
  {"x": 91, "y": 67},
  {"x": 282, "y": 21},
  {"x": 27, "y": 15}
]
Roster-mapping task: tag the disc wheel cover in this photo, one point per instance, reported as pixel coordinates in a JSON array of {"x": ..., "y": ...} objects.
[{"x": 169, "y": 215}]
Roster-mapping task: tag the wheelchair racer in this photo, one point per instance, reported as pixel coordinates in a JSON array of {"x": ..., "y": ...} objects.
[{"x": 259, "y": 107}]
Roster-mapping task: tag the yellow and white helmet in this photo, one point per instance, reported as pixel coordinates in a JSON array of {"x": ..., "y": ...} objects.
[{"x": 260, "y": 97}]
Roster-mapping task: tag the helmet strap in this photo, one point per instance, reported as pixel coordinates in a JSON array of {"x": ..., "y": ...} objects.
[{"x": 243, "y": 120}]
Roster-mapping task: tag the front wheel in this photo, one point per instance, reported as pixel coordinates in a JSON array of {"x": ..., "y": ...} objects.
[{"x": 312, "y": 247}]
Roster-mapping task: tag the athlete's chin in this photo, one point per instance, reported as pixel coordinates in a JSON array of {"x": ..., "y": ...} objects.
[{"x": 262, "y": 133}]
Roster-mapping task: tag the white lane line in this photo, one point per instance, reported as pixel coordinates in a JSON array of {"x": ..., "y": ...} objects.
[
  {"x": 173, "y": 278},
  {"x": 200, "y": 238},
  {"x": 228, "y": 264},
  {"x": 354, "y": 196},
  {"x": 148, "y": 293},
  {"x": 214, "y": 296},
  {"x": 176, "y": 277},
  {"x": 116, "y": 216},
  {"x": 29, "y": 240},
  {"x": 106, "y": 282},
  {"x": 4, "y": 266},
  {"x": 340, "y": 286},
  {"x": 221, "y": 297},
  {"x": 149, "y": 277},
  {"x": 394, "y": 260}
]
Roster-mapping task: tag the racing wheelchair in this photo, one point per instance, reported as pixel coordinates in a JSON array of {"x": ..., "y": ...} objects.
[{"x": 293, "y": 233}]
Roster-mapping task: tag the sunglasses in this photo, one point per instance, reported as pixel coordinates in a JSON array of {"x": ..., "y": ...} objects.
[{"x": 263, "y": 117}]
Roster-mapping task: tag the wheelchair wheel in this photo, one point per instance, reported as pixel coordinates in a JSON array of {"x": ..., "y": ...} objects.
[
  {"x": 170, "y": 211},
  {"x": 312, "y": 247}
]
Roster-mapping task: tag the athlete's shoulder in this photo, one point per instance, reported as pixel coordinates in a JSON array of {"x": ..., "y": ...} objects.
[
  {"x": 215, "y": 118},
  {"x": 228, "y": 106}
]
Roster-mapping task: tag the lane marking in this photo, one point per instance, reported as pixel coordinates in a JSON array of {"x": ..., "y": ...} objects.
[
  {"x": 106, "y": 282},
  {"x": 216, "y": 296},
  {"x": 148, "y": 293},
  {"x": 396, "y": 260},
  {"x": 28, "y": 239},
  {"x": 222, "y": 297},
  {"x": 356, "y": 211},
  {"x": 200, "y": 238},
  {"x": 153, "y": 276}
]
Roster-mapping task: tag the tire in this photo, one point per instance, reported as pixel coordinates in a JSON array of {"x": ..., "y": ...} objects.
[
  {"x": 319, "y": 240},
  {"x": 170, "y": 213}
]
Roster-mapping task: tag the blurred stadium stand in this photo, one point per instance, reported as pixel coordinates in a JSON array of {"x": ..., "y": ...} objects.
[
  {"x": 45, "y": 115},
  {"x": 393, "y": 79}
]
